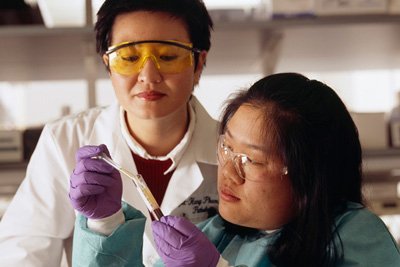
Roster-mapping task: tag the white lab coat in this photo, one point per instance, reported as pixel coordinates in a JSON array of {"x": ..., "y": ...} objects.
[{"x": 39, "y": 222}]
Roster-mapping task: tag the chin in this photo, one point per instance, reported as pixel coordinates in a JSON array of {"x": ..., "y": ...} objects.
[{"x": 231, "y": 217}]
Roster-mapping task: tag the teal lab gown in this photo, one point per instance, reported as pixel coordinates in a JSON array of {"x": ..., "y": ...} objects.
[{"x": 365, "y": 238}]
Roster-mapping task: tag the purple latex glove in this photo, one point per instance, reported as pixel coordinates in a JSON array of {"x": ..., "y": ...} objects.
[
  {"x": 180, "y": 243},
  {"x": 95, "y": 187}
]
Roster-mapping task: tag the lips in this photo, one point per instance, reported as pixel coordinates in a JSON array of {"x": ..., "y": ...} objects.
[
  {"x": 150, "y": 95},
  {"x": 228, "y": 195}
]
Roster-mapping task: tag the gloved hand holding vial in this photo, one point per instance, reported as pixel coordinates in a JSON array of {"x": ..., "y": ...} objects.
[{"x": 96, "y": 186}]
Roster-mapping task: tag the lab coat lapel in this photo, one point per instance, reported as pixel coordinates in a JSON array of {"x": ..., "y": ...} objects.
[{"x": 185, "y": 180}]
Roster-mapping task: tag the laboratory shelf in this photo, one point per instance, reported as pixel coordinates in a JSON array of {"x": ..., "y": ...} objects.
[
  {"x": 13, "y": 165},
  {"x": 390, "y": 152},
  {"x": 40, "y": 30},
  {"x": 306, "y": 21},
  {"x": 221, "y": 22}
]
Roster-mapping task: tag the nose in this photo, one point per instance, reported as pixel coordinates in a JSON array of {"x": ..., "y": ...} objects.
[
  {"x": 149, "y": 72},
  {"x": 229, "y": 171}
]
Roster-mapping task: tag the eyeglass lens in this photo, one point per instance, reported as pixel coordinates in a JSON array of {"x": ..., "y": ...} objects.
[
  {"x": 244, "y": 166},
  {"x": 168, "y": 58},
  {"x": 225, "y": 153}
]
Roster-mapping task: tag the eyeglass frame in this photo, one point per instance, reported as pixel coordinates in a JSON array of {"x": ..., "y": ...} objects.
[
  {"x": 187, "y": 46},
  {"x": 232, "y": 157}
]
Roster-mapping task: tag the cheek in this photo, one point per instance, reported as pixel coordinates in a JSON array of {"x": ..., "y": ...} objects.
[
  {"x": 273, "y": 198},
  {"x": 180, "y": 87},
  {"x": 219, "y": 176},
  {"x": 182, "y": 82},
  {"x": 122, "y": 85},
  {"x": 259, "y": 195}
]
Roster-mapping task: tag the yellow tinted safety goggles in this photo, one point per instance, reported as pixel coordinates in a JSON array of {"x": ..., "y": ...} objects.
[{"x": 168, "y": 56}]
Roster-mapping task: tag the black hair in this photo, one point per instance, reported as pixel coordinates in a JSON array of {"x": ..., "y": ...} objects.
[
  {"x": 192, "y": 12},
  {"x": 318, "y": 141}
]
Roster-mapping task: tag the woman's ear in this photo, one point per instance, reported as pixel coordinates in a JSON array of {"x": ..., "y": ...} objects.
[
  {"x": 106, "y": 63},
  {"x": 105, "y": 60},
  {"x": 200, "y": 65}
]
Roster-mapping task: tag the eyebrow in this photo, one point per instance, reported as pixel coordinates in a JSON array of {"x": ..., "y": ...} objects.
[{"x": 256, "y": 147}]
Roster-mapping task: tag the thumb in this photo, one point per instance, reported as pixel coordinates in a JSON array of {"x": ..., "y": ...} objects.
[
  {"x": 182, "y": 225},
  {"x": 167, "y": 235}
]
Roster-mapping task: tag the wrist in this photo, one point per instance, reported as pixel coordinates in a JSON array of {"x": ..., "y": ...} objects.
[{"x": 108, "y": 224}]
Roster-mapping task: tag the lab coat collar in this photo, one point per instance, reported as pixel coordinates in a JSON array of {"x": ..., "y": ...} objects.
[
  {"x": 175, "y": 155},
  {"x": 184, "y": 181}
]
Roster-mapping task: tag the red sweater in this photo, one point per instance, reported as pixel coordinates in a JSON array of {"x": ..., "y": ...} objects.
[{"x": 153, "y": 173}]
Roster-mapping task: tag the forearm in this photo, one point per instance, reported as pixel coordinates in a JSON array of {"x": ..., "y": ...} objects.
[{"x": 123, "y": 247}]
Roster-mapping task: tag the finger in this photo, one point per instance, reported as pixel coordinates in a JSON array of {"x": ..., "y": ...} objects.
[
  {"x": 91, "y": 151},
  {"x": 161, "y": 245},
  {"x": 93, "y": 178},
  {"x": 85, "y": 190},
  {"x": 95, "y": 165},
  {"x": 78, "y": 203},
  {"x": 103, "y": 148},
  {"x": 163, "y": 248},
  {"x": 167, "y": 235},
  {"x": 181, "y": 224}
]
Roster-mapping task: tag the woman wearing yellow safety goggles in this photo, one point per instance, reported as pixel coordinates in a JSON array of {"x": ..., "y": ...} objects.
[{"x": 155, "y": 51}]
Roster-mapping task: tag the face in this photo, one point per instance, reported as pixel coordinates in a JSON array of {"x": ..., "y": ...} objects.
[
  {"x": 151, "y": 94},
  {"x": 263, "y": 204}
]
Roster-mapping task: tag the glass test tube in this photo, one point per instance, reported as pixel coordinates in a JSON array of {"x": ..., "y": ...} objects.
[{"x": 140, "y": 184}]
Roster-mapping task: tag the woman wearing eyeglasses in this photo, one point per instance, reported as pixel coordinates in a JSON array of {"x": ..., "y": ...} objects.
[{"x": 289, "y": 184}]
